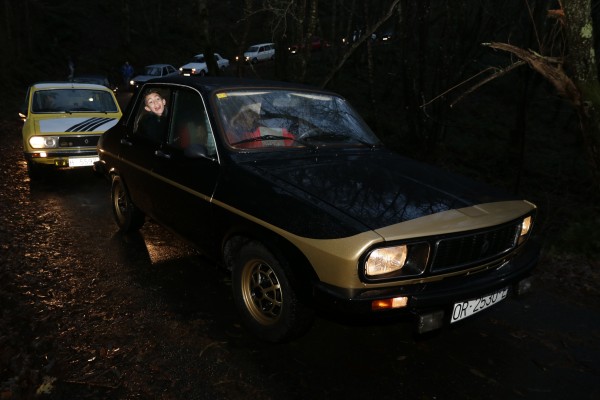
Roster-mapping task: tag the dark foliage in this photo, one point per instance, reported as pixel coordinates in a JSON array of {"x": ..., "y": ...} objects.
[{"x": 514, "y": 132}]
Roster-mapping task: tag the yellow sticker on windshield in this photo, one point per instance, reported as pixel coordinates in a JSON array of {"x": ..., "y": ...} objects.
[{"x": 221, "y": 95}]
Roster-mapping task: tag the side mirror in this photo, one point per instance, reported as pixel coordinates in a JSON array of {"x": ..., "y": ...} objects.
[{"x": 196, "y": 151}]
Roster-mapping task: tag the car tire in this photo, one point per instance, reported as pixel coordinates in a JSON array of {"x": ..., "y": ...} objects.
[
  {"x": 127, "y": 216},
  {"x": 254, "y": 60},
  {"x": 264, "y": 294},
  {"x": 35, "y": 171}
]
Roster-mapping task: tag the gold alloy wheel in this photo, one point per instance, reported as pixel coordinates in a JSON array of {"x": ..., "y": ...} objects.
[{"x": 261, "y": 292}]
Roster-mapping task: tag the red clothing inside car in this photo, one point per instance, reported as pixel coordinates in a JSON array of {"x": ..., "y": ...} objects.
[{"x": 263, "y": 131}]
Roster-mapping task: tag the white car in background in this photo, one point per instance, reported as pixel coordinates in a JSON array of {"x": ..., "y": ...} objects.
[
  {"x": 153, "y": 71},
  {"x": 198, "y": 65},
  {"x": 260, "y": 52}
]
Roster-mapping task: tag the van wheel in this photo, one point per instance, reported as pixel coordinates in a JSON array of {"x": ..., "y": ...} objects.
[
  {"x": 264, "y": 294},
  {"x": 127, "y": 216}
]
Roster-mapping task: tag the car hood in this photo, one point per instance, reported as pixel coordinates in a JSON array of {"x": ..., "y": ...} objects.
[
  {"x": 144, "y": 78},
  {"x": 75, "y": 124},
  {"x": 374, "y": 189},
  {"x": 194, "y": 65}
]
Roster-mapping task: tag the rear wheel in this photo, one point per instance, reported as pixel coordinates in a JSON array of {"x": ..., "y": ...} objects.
[
  {"x": 127, "y": 216},
  {"x": 264, "y": 293}
]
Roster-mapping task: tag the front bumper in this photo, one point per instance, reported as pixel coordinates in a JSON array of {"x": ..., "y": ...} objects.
[
  {"x": 61, "y": 159},
  {"x": 432, "y": 300}
]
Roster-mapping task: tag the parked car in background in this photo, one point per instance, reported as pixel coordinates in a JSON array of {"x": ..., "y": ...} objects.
[
  {"x": 63, "y": 122},
  {"x": 259, "y": 52},
  {"x": 198, "y": 65},
  {"x": 97, "y": 79},
  {"x": 153, "y": 71},
  {"x": 289, "y": 189},
  {"x": 316, "y": 44}
]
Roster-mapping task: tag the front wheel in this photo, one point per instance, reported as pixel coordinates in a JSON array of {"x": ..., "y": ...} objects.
[
  {"x": 264, "y": 294},
  {"x": 127, "y": 216},
  {"x": 35, "y": 171}
]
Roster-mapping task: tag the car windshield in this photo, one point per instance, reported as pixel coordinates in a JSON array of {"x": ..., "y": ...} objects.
[
  {"x": 252, "y": 49},
  {"x": 152, "y": 71},
  {"x": 198, "y": 59},
  {"x": 72, "y": 100},
  {"x": 283, "y": 118}
]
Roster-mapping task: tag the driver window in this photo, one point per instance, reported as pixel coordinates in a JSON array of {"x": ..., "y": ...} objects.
[{"x": 152, "y": 119}]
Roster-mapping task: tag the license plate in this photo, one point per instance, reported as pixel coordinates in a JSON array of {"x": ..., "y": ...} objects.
[
  {"x": 82, "y": 161},
  {"x": 467, "y": 308}
]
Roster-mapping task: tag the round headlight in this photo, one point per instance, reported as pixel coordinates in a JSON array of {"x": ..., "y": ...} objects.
[{"x": 43, "y": 142}]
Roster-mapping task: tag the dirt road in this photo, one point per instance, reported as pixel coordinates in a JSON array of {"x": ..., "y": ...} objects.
[{"x": 88, "y": 313}]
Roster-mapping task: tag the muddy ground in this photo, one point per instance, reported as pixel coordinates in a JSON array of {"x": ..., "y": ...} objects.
[{"x": 87, "y": 313}]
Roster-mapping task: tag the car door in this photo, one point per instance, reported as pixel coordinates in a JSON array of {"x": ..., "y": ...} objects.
[
  {"x": 139, "y": 149},
  {"x": 188, "y": 169}
]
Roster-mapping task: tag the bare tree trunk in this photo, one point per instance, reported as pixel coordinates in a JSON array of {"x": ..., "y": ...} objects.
[
  {"x": 370, "y": 63},
  {"x": 126, "y": 12},
  {"x": 583, "y": 70},
  {"x": 313, "y": 13},
  {"x": 248, "y": 9},
  {"x": 205, "y": 39}
]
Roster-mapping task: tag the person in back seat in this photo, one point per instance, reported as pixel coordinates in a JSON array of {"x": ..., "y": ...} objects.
[{"x": 246, "y": 126}]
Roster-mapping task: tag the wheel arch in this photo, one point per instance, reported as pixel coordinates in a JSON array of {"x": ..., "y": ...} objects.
[{"x": 280, "y": 247}]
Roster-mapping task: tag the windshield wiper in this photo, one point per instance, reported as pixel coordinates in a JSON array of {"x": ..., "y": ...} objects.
[
  {"x": 333, "y": 136},
  {"x": 272, "y": 137}
]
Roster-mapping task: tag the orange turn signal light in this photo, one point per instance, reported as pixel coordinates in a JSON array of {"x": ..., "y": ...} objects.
[{"x": 383, "y": 304}]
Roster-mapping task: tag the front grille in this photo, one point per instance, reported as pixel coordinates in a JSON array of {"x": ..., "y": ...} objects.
[
  {"x": 78, "y": 141},
  {"x": 456, "y": 252}
]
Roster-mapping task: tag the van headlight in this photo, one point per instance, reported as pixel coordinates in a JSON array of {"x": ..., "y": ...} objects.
[
  {"x": 43, "y": 142},
  {"x": 401, "y": 261}
]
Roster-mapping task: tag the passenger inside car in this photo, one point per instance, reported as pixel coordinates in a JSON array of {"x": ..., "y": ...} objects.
[{"x": 246, "y": 129}]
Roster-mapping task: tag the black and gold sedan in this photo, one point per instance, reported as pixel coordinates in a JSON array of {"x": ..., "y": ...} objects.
[{"x": 289, "y": 189}]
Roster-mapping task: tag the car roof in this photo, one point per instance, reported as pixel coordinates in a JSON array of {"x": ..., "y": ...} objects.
[
  {"x": 209, "y": 84},
  {"x": 159, "y": 65},
  {"x": 67, "y": 85},
  {"x": 90, "y": 76},
  {"x": 261, "y": 44}
]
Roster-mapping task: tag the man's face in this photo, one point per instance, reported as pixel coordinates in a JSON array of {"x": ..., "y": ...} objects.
[{"x": 155, "y": 103}]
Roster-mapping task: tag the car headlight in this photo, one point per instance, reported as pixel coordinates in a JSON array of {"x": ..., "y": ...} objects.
[
  {"x": 400, "y": 261},
  {"x": 525, "y": 229},
  {"x": 132, "y": 82},
  {"x": 43, "y": 142}
]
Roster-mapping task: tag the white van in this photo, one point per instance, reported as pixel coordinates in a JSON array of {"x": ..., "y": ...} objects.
[{"x": 260, "y": 52}]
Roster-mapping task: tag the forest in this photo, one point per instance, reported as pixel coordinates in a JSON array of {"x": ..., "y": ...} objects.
[{"x": 504, "y": 92}]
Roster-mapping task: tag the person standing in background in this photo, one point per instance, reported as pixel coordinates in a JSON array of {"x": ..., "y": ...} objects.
[{"x": 127, "y": 73}]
